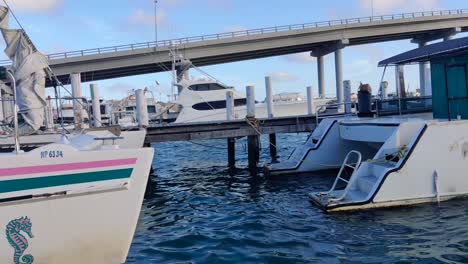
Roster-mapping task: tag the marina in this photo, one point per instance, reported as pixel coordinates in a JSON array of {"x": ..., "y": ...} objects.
[{"x": 225, "y": 160}]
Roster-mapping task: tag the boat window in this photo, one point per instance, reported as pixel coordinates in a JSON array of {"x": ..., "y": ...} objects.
[
  {"x": 217, "y": 104},
  {"x": 103, "y": 109},
  {"x": 206, "y": 87},
  {"x": 130, "y": 108},
  {"x": 151, "y": 109}
]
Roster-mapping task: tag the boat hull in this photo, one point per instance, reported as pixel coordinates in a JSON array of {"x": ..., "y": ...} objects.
[{"x": 79, "y": 212}]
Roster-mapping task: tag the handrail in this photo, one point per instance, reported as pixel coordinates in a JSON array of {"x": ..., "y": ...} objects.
[
  {"x": 318, "y": 107},
  {"x": 250, "y": 32},
  {"x": 351, "y": 179}
]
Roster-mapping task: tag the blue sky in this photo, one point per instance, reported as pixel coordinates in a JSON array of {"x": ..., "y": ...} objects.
[{"x": 65, "y": 25}]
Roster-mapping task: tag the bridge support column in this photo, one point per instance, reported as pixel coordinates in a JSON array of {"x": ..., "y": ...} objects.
[
  {"x": 321, "y": 76},
  {"x": 75, "y": 79},
  {"x": 339, "y": 79},
  {"x": 424, "y": 79}
]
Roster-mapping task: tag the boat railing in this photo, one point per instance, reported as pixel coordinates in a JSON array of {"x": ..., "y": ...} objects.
[
  {"x": 346, "y": 165},
  {"x": 403, "y": 106},
  {"x": 323, "y": 108},
  {"x": 253, "y": 32}
]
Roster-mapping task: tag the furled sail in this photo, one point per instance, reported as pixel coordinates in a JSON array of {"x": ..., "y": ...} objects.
[{"x": 28, "y": 66}]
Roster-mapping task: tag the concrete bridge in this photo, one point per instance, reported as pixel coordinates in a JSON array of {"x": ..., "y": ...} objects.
[{"x": 319, "y": 38}]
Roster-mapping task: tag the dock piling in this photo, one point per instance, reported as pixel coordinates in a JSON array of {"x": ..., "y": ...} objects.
[
  {"x": 142, "y": 109},
  {"x": 347, "y": 96},
  {"x": 229, "y": 105},
  {"x": 94, "y": 91},
  {"x": 269, "y": 97},
  {"x": 75, "y": 79},
  {"x": 253, "y": 142},
  {"x": 231, "y": 153},
  {"x": 231, "y": 142},
  {"x": 310, "y": 101},
  {"x": 273, "y": 149}
]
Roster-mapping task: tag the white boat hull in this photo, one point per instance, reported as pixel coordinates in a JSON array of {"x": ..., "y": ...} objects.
[
  {"x": 80, "y": 212},
  {"x": 431, "y": 169}
]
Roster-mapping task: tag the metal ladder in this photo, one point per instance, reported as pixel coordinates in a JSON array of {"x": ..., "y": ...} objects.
[{"x": 339, "y": 178}]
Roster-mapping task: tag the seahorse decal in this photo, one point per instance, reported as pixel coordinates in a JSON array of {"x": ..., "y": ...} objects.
[{"x": 18, "y": 241}]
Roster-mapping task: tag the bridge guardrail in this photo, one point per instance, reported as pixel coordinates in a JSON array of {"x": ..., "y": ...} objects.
[{"x": 250, "y": 32}]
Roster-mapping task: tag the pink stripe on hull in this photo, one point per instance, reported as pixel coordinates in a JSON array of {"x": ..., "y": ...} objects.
[{"x": 66, "y": 167}]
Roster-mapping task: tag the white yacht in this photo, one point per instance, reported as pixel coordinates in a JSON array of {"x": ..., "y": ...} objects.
[
  {"x": 204, "y": 100},
  {"x": 396, "y": 160}
]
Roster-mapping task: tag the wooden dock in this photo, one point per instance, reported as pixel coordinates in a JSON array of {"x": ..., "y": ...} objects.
[{"x": 231, "y": 129}]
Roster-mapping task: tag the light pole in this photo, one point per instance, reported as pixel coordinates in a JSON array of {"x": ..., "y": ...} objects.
[
  {"x": 156, "y": 23},
  {"x": 372, "y": 9}
]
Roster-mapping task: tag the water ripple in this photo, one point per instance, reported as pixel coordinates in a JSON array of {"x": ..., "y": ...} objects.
[{"x": 200, "y": 214}]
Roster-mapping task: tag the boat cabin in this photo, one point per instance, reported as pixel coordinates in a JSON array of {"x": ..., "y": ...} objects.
[{"x": 449, "y": 75}]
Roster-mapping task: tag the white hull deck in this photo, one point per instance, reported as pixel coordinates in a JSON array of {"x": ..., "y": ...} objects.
[
  {"x": 61, "y": 205},
  {"x": 126, "y": 139},
  {"x": 333, "y": 139},
  {"x": 422, "y": 162}
]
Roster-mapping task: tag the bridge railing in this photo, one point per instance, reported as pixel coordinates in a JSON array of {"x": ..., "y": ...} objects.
[{"x": 250, "y": 32}]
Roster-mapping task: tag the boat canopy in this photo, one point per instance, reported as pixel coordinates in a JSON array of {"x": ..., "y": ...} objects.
[{"x": 443, "y": 49}]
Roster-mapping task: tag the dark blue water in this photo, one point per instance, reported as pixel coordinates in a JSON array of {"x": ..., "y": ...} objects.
[{"x": 200, "y": 214}]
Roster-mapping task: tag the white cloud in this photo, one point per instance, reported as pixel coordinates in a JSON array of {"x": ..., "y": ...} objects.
[
  {"x": 389, "y": 6},
  {"x": 282, "y": 76},
  {"x": 34, "y": 5},
  {"x": 301, "y": 58}
]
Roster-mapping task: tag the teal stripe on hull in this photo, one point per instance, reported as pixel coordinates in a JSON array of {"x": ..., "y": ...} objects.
[{"x": 59, "y": 180}]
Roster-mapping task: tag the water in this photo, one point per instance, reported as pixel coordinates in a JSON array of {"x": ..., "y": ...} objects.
[{"x": 200, "y": 214}]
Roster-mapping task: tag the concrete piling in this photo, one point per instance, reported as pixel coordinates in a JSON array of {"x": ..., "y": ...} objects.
[
  {"x": 231, "y": 142},
  {"x": 77, "y": 99},
  {"x": 347, "y": 96},
  {"x": 142, "y": 109},
  {"x": 229, "y": 105},
  {"x": 250, "y": 97},
  {"x": 253, "y": 142},
  {"x": 310, "y": 101},
  {"x": 269, "y": 97},
  {"x": 94, "y": 91}
]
